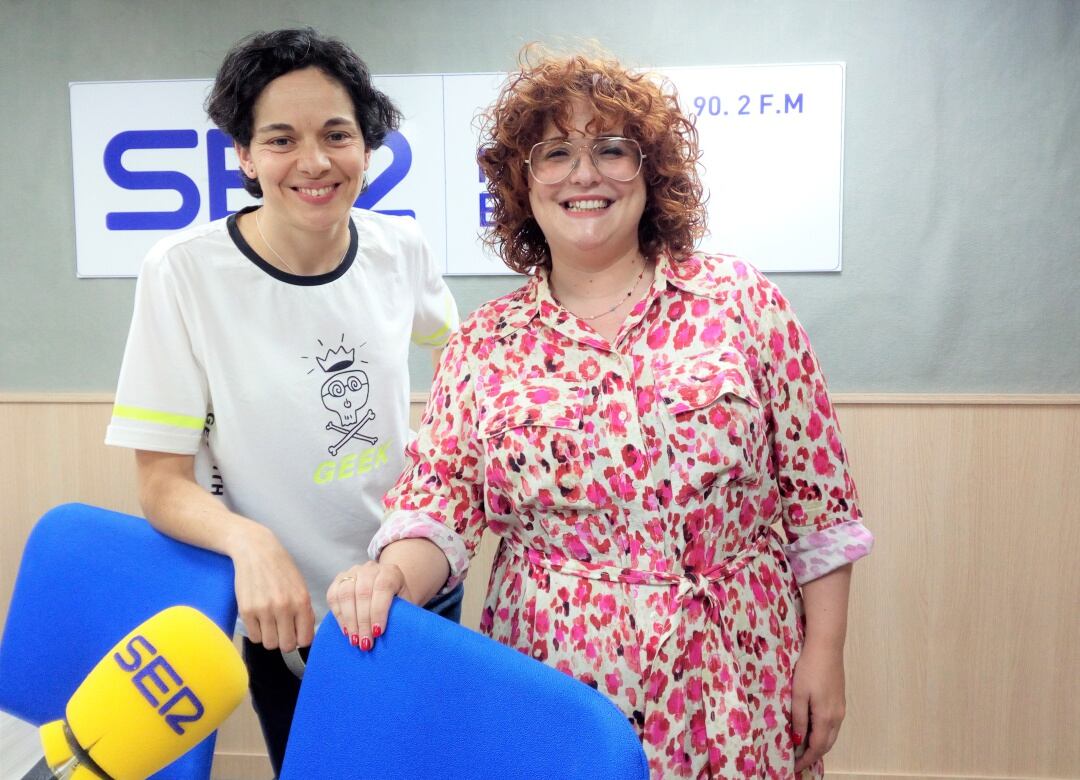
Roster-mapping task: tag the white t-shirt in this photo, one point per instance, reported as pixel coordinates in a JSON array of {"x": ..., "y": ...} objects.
[{"x": 291, "y": 391}]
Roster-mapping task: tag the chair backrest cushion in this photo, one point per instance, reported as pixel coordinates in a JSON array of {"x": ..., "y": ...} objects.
[
  {"x": 87, "y": 577},
  {"x": 434, "y": 699}
]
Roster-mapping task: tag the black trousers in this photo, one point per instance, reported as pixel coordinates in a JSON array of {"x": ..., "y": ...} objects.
[{"x": 274, "y": 689}]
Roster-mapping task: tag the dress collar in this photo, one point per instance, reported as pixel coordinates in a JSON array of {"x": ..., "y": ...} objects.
[
  {"x": 694, "y": 274},
  {"x": 708, "y": 276}
]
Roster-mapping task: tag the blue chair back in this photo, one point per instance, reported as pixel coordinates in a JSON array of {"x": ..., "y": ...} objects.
[
  {"x": 433, "y": 699},
  {"x": 88, "y": 576}
]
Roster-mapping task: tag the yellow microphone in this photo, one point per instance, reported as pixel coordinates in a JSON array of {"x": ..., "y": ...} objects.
[{"x": 160, "y": 691}]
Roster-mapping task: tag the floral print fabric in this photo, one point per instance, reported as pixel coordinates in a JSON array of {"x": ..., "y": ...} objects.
[{"x": 635, "y": 486}]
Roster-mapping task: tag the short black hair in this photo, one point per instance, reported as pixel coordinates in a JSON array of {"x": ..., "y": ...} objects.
[{"x": 255, "y": 61}]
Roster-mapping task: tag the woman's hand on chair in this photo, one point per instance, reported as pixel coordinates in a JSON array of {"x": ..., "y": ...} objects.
[{"x": 360, "y": 599}]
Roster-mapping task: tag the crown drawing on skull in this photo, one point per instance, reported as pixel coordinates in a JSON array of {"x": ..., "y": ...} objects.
[{"x": 336, "y": 360}]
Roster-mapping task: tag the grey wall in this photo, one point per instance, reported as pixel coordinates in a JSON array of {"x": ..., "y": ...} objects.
[{"x": 962, "y": 163}]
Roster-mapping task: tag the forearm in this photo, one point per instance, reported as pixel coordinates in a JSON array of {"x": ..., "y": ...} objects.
[
  {"x": 825, "y": 600},
  {"x": 423, "y": 565},
  {"x": 271, "y": 594},
  {"x": 175, "y": 504}
]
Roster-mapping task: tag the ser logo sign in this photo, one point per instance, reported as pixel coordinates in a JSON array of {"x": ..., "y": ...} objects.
[{"x": 147, "y": 163}]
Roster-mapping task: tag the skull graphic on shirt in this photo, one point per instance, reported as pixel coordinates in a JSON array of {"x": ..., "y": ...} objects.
[{"x": 345, "y": 394}]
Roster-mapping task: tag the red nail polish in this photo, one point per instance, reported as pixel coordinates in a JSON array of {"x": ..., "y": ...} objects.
[
  {"x": 376, "y": 631},
  {"x": 345, "y": 630},
  {"x": 365, "y": 643},
  {"x": 798, "y": 738},
  {"x": 355, "y": 639}
]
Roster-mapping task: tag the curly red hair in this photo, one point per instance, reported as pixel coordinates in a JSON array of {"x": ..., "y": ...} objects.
[{"x": 647, "y": 110}]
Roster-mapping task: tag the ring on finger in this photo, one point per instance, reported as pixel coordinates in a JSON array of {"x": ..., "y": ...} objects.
[{"x": 343, "y": 580}]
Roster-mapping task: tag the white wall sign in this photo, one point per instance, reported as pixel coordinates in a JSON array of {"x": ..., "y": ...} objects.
[{"x": 147, "y": 162}]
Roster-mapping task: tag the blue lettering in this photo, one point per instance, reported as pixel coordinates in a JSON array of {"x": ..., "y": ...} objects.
[
  {"x": 219, "y": 178},
  {"x": 151, "y": 671},
  {"x": 174, "y": 719},
  {"x": 791, "y": 104},
  {"x": 391, "y": 177},
  {"x": 151, "y": 180},
  {"x": 136, "y": 659},
  {"x": 765, "y": 101},
  {"x": 183, "y": 706},
  {"x": 487, "y": 208}
]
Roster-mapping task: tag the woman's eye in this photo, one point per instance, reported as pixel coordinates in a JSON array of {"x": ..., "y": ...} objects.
[
  {"x": 611, "y": 150},
  {"x": 556, "y": 154}
]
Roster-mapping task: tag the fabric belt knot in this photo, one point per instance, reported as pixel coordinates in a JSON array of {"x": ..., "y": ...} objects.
[{"x": 715, "y": 723}]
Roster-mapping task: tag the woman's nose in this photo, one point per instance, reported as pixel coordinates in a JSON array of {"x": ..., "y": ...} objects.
[
  {"x": 313, "y": 160},
  {"x": 584, "y": 171}
]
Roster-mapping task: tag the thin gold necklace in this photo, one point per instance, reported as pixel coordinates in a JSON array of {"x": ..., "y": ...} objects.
[
  {"x": 258, "y": 226},
  {"x": 620, "y": 302}
]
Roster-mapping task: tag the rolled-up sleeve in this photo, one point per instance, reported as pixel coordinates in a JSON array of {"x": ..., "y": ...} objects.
[
  {"x": 440, "y": 495},
  {"x": 818, "y": 502}
]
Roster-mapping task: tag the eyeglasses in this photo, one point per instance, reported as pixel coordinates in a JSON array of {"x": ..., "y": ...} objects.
[{"x": 619, "y": 159}]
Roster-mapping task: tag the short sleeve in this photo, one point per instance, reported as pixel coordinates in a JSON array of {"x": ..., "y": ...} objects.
[
  {"x": 818, "y": 502},
  {"x": 161, "y": 398},
  {"x": 440, "y": 494},
  {"x": 435, "y": 315}
]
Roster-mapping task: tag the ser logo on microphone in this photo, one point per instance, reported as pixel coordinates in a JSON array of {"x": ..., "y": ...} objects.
[{"x": 159, "y": 683}]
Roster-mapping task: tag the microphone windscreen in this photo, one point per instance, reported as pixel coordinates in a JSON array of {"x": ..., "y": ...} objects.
[{"x": 160, "y": 691}]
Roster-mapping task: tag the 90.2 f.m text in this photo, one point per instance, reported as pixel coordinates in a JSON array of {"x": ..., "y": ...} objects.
[{"x": 748, "y": 105}]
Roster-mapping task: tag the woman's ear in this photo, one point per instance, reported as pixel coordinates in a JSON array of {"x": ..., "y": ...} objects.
[{"x": 247, "y": 165}]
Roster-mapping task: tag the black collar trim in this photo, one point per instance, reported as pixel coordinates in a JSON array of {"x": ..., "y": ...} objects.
[{"x": 285, "y": 276}]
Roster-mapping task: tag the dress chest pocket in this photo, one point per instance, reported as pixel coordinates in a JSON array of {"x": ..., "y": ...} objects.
[
  {"x": 715, "y": 428},
  {"x": 534, "y": 445}
]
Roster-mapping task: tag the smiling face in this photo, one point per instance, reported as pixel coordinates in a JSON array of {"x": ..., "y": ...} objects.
[
  {"x": 307, "y": 151},
  {"x": 587, "y": 218}
]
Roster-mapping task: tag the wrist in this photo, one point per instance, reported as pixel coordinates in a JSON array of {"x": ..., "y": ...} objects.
[
  {"x": 243, "y": 534},
  {"x": 423, "y": 566},
  {"x": 824, "y": 643}
]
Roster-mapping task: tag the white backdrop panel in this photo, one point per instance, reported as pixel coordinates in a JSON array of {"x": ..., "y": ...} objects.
[{"x": 147, "y": 162}]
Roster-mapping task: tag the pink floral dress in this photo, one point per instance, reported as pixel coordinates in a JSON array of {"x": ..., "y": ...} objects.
[{"x": 635, "y": 486}]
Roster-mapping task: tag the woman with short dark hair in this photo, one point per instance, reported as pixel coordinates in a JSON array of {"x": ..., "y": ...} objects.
[{"x": 265, "y": 382}]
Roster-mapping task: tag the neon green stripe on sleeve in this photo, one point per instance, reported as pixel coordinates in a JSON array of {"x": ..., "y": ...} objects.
[
  {"x": 436, "y": 339},
  {"x": 162, "y": 418}
]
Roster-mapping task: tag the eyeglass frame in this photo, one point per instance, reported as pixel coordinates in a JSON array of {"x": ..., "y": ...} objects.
[{"x": 579, "y": 147}]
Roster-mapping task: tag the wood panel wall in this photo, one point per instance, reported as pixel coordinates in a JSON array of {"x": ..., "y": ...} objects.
[{"x": 964, "y": 637}]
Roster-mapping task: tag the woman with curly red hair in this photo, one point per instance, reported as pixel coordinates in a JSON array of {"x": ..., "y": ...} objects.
[{"x": 632, "y": 422}]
